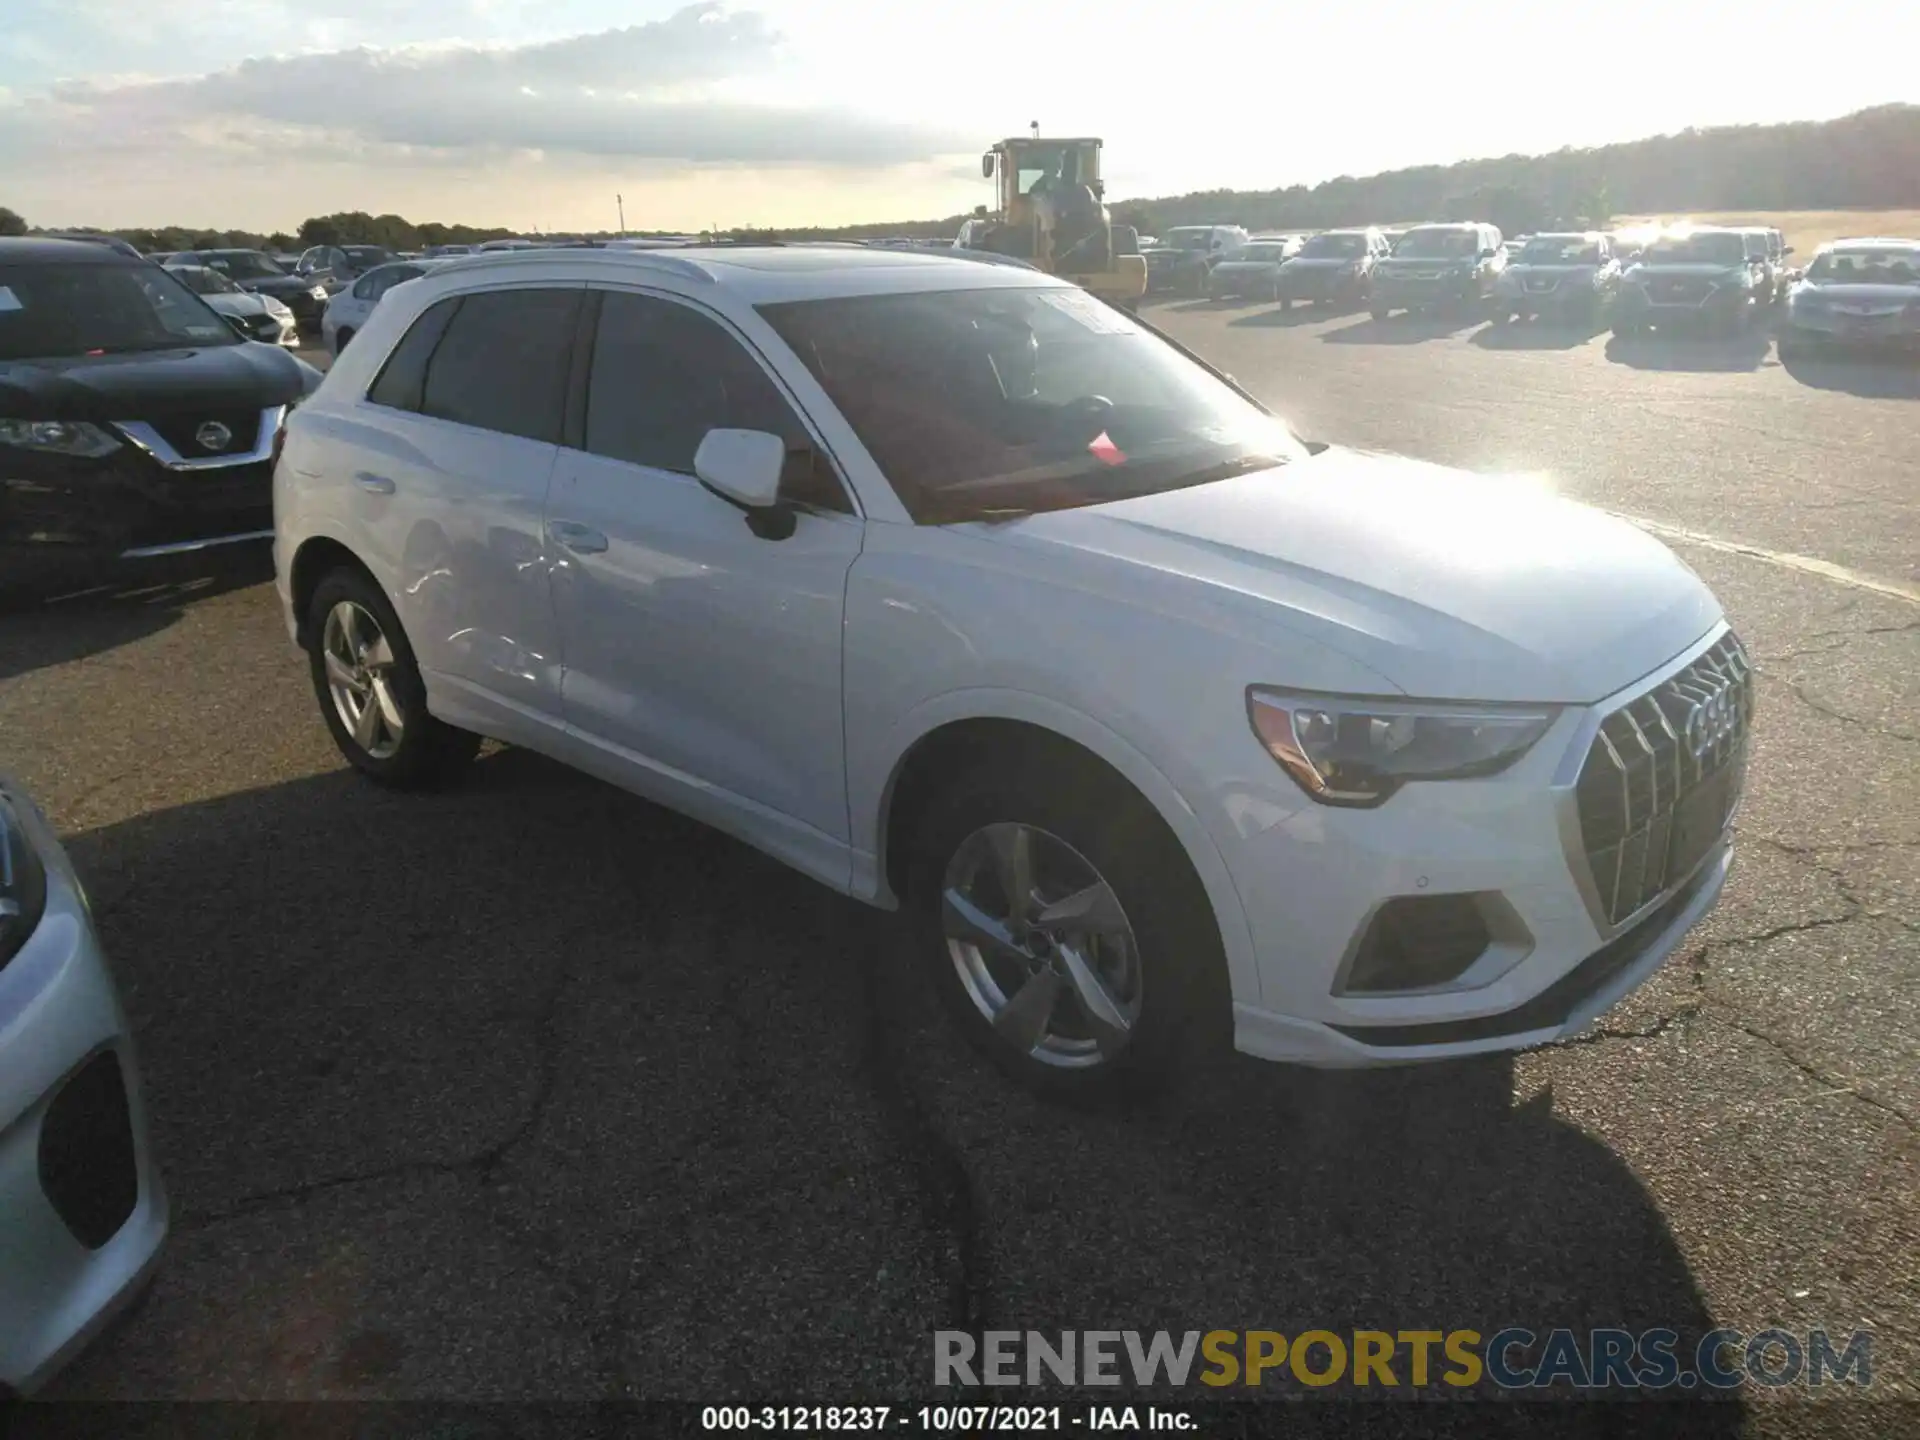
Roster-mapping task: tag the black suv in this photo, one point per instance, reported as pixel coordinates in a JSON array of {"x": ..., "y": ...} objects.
[{"x": 134, "y": 421}]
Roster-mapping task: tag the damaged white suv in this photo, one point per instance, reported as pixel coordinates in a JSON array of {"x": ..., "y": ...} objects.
[{"x": 959, "y": 591}]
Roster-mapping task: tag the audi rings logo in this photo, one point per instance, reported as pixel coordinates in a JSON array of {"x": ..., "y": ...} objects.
[
  {"x": 1711, "y": 721},
  {"x": 212, "y": 435}
]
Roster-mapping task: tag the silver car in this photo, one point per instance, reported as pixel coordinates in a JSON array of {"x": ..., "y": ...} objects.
[
  {"x": 258, "y": 317},
  {"x": 1254, "y": 270},
  {"x": 82, "y": 1211},
  {"x": 1863, "y": 293}
]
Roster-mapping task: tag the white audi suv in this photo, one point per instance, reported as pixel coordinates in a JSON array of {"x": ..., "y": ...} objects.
[{"x": 966, "y": 594}]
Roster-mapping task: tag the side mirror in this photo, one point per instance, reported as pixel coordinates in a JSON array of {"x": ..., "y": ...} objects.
[
  {"x": 234, "y": 324},
  {"x": 1488, "y": 254},
  {"x": 986, "y": 166},
  {"x": 743, "y": 467},
  {"x": 1786, "y": 250}
]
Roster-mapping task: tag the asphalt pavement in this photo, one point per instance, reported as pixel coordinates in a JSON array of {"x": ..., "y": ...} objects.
[{"x": 533, "y": 1090}]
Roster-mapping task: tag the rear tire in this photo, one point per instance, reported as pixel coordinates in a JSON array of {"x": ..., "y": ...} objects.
[
  {"x": 370, "y": 691},
  {"x": 1165, "y": 975}
]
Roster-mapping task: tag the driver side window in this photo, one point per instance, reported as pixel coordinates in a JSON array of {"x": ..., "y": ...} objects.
[{"x": 663, "y": 375}]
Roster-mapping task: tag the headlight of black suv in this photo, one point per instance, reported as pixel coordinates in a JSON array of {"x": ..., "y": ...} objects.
[{"x": 23, "y": 879}]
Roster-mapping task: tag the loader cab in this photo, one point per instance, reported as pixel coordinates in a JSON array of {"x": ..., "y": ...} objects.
[{"x": 1021, "y": 164}]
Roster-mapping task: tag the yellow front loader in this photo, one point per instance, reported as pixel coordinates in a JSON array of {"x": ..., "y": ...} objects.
[{"x": 1050, "y": 212}]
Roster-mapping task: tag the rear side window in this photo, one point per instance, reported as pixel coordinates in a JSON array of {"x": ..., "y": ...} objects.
[
  {"x": 404, "y": 375},
  {"x": 497, "y": 361},
  {"x": 663, "y": 375}
]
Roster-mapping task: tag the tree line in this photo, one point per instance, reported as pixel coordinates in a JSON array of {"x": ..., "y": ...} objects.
[{"x": 1866, "y": 161}]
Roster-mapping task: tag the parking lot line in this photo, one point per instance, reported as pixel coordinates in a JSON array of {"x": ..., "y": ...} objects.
[{"x": 1825, "y": 569}]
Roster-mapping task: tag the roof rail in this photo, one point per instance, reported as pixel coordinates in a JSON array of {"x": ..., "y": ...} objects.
[{"x": 667, "y": 260}]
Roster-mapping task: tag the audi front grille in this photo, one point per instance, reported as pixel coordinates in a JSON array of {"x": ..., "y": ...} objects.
[{"x": 1661, "y": 780}]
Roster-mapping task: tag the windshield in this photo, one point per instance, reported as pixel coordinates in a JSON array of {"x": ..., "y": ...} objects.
[
  {"x": 365, "y": 255},
  {"x": 1438, "y": 244},
  {"x": 1698, "y": 250},
  {"x": 244, "y": 264},
  {"x": 1560, "y": 250},
  {"x": 1334, "y": 247},
  {"x": 202, "y": 281},
  {"x": 52, "y": 310},
  {"x": 1185, "y": 238},
  {"x": 985, "y": 403},
  {"x": 1867, "y": 267}
]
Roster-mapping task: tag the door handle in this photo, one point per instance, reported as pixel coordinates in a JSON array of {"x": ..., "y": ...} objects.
[
  {"x": 373, "y": 484},
  {"x": 581, "y": 539}
]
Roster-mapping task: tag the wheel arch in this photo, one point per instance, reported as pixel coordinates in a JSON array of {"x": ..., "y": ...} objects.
[
  {"x": 317, "y": 557},
  {"x": 955, "y": 730}
]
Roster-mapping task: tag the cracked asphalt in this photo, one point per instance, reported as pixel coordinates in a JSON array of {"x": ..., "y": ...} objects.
[{"x": 530, "y": 1090}]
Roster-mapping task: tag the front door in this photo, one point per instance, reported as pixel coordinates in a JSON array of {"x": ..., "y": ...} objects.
[{"x": 702, "y": 663}]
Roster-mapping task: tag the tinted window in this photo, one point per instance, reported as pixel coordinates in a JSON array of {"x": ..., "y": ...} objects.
[
  {"x": 502, "y": 363},
  {"x": 664, "y": 374},
  {"x": 404, "y": 375},
  {"x": 363, "y": 288}
]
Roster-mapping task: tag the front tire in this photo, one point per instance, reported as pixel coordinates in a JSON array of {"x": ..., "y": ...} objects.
[
  {"x": 1068, "y": 935},
  {"x": 370, "y": 691}
]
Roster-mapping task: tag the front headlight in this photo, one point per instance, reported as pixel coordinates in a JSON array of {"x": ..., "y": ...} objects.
[
  {"x": 59, "y": 437},
  {"x": 23, "y": 880},
  {"x": 1358, "y": 752},
  {"x": 274, "y": 307}
]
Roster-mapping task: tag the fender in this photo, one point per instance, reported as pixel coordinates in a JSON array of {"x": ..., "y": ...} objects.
[{"x": 870, "y": 788}]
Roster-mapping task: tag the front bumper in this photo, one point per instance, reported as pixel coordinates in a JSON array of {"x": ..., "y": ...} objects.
[
  {"x": 83, "y": 1213},
  {"x": 1402, "y": 291},
  {"x": 1561, "y": 299},
  {"x": 1655, "y": 306},
  {"x": 1314, "y": 882},
  {"x": 1322, "y": 284},
  {"x": 1897, "y": 331},
  {"x": 1241, "y": 282},
  {"x": 61, "y": 513}
]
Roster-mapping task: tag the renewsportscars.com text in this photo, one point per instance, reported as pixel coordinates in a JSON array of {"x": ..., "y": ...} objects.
[{"x": 1513, "y": 1358}]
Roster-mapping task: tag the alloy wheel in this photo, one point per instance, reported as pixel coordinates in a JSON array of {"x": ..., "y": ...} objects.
[
  {"x": 360, "y": 677},
  {"x": 1042, "y": 946}
]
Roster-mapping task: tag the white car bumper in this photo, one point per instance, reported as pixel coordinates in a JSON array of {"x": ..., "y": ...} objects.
[
  {"x": 82, "y": 1211},
  {"x": 1496, "y": 868}
]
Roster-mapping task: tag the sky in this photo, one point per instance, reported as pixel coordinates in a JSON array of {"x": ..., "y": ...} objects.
[{"x": 254, "y": 114}]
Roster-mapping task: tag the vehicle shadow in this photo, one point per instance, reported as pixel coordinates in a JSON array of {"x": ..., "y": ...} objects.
[
  {"x": 1870, "y": 377},
  {"x": 54, "y": 624},
  {"x": 1537, "y": 335},
  {"x": 1402, "y": 329},
  {"x": 1730, "y": 354},
  {"x": 594, "y": 1029},
  {"x": 1298, "y": 315}
]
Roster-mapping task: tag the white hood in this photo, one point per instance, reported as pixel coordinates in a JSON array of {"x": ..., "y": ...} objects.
[{"x": 1449, "y": 584}]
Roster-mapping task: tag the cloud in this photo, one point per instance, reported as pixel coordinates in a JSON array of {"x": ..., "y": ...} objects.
[{"x": 669, "y": 90}]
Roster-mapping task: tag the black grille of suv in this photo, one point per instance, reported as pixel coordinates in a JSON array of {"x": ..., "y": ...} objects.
[
  {"x": 1662, "y": 777},
  {"x": 183, "y": 433}
]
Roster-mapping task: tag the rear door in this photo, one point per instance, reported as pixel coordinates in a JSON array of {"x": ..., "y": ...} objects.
[{"x": 455, "y": 447}]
